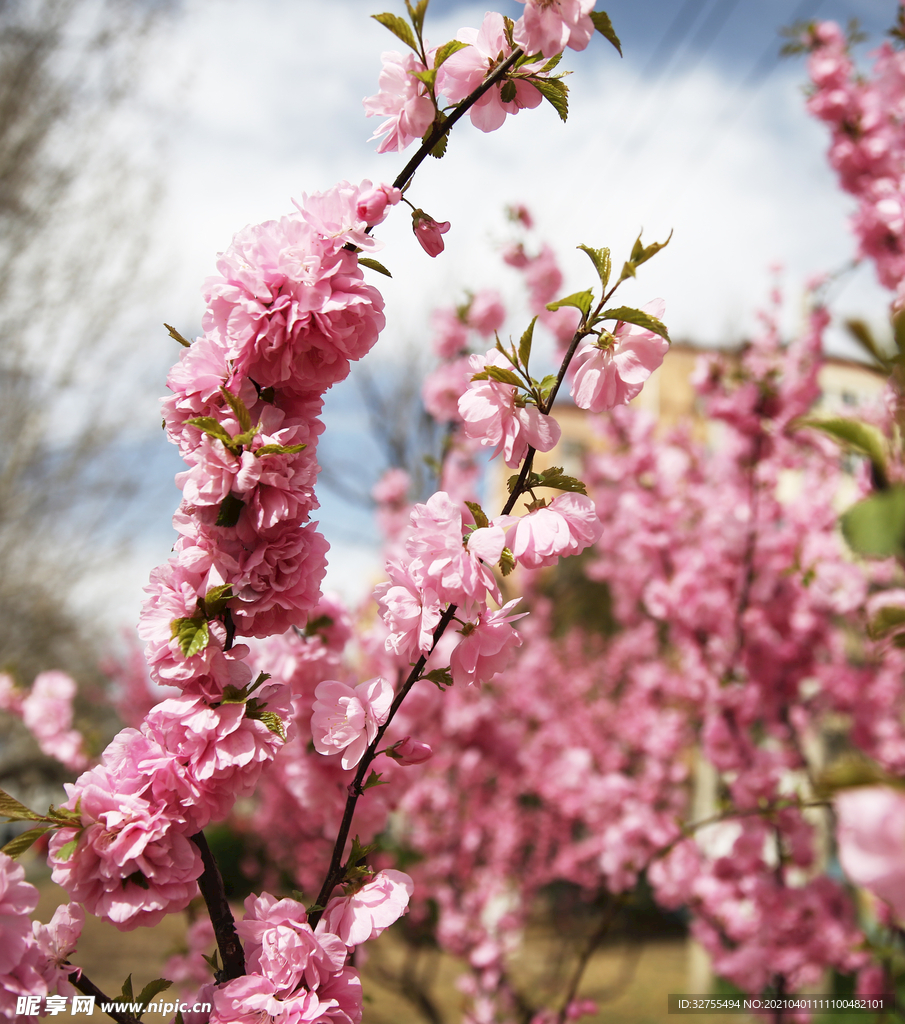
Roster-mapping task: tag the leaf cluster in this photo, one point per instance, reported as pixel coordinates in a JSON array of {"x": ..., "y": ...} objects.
[{"x": 56, "y": 817}]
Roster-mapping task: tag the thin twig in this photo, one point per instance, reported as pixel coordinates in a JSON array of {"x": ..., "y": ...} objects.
[{"x": 87, "y": 987}]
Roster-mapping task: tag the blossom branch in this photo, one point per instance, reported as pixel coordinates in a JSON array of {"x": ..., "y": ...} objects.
[
  {"x": 87, "y": 987},
  {"x": 212, "y": 889},
  {"x": 441, "y": 126},
  {"x": 586, "y": 954}
]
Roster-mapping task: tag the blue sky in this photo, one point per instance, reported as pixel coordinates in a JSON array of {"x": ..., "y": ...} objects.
[{"x": 699, "y": 128}]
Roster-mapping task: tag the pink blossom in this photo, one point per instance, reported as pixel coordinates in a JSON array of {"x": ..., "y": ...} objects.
[
  {"x": 411, "y": 610},
  {"x": 428, "y": 232},
  {"x": 493, "y": 415},
  {"x": 463, "y": 71},
  {"x": 346, "y": 718},
  {"x": 281, "y": 945},
  {"x": 368, "y": 912},
  {"x": 408, "y": 752},
  {"x": 17, "y": 900},
  {"x": 47, "y": 713},
  {"x": 450, "y": 333},
  {"x": 566, "y": 526},
  {"x": 549, "y": 26},
  {"x": 443, "y": 387},
  {"x": 606, "y": 377},
  {"x": 57, "y": 942},
  {"x": 441, "y": 562},
  {"x": 404, "y": 98},
  {"x": 871, "y": 837},
  {"x": 374, "y": 202},
  {"x": 486, "y": 647},
  {"x": 127, "y": 863},
  {"x": 486, "y": 313}
]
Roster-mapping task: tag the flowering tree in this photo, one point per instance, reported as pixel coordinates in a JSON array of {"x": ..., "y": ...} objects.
[{"x": 286, "y": 315}]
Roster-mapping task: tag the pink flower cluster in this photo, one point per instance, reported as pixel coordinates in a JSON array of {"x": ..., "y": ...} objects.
[
  {"x": 865, "y": 115},
  {"x": 46, "y": 711},
  {"x": 410, "y": 105},
  {"x": 32, "y": 955},
  {"x": 300, "y": 976},
  {"x": 286, "y": 315}
]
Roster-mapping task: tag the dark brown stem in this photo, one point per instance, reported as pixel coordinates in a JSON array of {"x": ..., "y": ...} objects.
[
  {"x": 587, "y": 953},
  {"x": 441, "y": 127},
  {"x": 87, "y": 987},
  {"x": 211, "y": 885}
]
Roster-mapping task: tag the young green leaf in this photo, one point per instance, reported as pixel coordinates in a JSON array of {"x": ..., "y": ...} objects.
[
  {"x": 524, "y": 346},
  {"x": 269, "y": 718},
  {"x": 504, "y": 376},
  {"x": 440, "y": 677},
  {"x": 638, "y": 317},
  {"x": 66, "y": 850},
  {"x": 862, "y": 333},
  {"x": 216, "y": 599},
  {"x": 374, "y": 779},
  {"x": 888, "y": 619},
  {"x": 507, "y": 562},
  {"x": 230, "y": 510},
  {"x": 152, "y": 989},
  {"x": 366, "y": 261},
  {"x": 556, "y": 93},
  {"x": 605, "y": 27},
  {"x": 127, "y": 991},
  {"x": 279, "y": 449},
  {"x": 641, "y": 254},
  {"x": 428, "y": 77},
  {"x": 480, "y": 517},
  {"x": 176, "y": 336},
  {"x": 238, "y": 407},
  {"x": 438, "y": 150},
  {"x": 447, "y": 50},
  {"x": 862, "y": 437},
  {"x": 417, "y": 13},
  {"x": 580, "y": 300},
  {"x": 875, "y": 526},
  {"x": 603, "y": 264},
  {"x": 11, "y": 809},
  {"x": 212, "y": 427},
  {"x": 22, "y": 842},
  {"x": 554, "y": 477},
  {"x": 192, "y": 635},
  {"x": 398, "y": 27}
]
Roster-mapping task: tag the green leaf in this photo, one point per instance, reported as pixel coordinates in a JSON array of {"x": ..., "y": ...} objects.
[
  {"x": 547, "y": 385},
  {"x": 447, "y": 50},
  {"x": 428, "y": 77},
  {"x": 359, "y": 853},
  {"x": 24, "y": 840},
  {"x": 230, "y": 510},
  {"x": 875, "y": 526},
  {"x": 398, "y": 27},
  {"x": 127, "y": 991},
  {"x": 507, "y": 562},
  {"x": 550, "y": 65},
  {"x": 480, "y": 516},
  {"x": 152, "y": 989},
  {"x": 212, "y": 961},
  {"x": 374, "y": 780},
  {"x": 217, "y": 598},
  {"x": 554, "y": 477},
  {"x": 524, "y": 346},
  {"x": 862, "y": 437},
  {"x": 417, "y": 13},
  {"x": 638, "y": 317},
  {"x": 605, "y": 27},
  {"x": 213, "y": 427},
  {"x": 233, "y": 695},
  {"x": 238, "y": 407},
  {"x": 67, "y": 849},
  {"x": 279, "y": 449},
  {"x": 176, "y": 336},
  {"x": 440, "y": 677},
  {"x": 862, "y": 333},
  {"x": 532, "y": 481},
  {"x": 11, "y": 808},
  {"x": 504, "y": 376},
  {"x": 272, "y": 720},
  {"x": 641, "y": 254},
  {"x": 192, "y": 635},
  {"x": 438, "y": 151},
  {"x": 580, "y": 300},
  {"x": 366, "y": 261},
  {"x": 887, "y": 620},
  {"x": 507, "y": 92},
  {"x": 556, "y": 93},
  {"x": 602, "y": 262}
]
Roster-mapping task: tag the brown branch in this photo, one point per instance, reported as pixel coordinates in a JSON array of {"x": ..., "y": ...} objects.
[
  {"x": 589, "y": 950},
  {"x": 211, "y": 885},
  {"x": 87, "y": 987}
]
